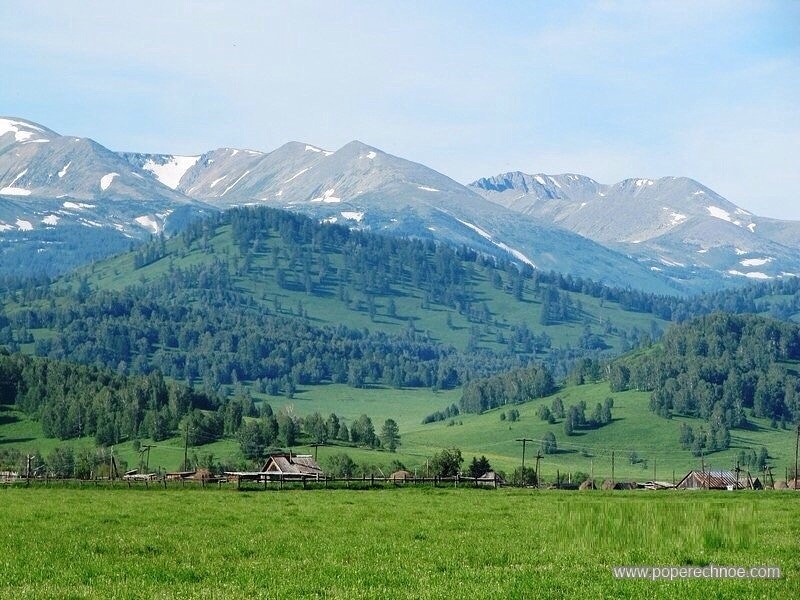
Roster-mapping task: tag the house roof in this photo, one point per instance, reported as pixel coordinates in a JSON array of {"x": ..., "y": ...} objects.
[
  {"x": 490, "y": 476},
  {"x": 718, "y": 479},
  {"x": 289, "y": 464}
]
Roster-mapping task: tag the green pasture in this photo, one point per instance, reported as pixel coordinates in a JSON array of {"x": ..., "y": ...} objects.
[{"x": 391, "y": 543}]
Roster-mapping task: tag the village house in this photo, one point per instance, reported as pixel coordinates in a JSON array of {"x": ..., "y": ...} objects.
[
  {"x": 290, "y": 466},
  {"x": 490, "y": 478}
]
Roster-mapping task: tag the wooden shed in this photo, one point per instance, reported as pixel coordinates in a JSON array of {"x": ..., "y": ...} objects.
[
  {"x": 718, "y": 480},
  {"x": 490, "y": 478}
]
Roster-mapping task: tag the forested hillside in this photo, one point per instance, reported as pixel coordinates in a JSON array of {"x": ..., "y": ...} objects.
[
  {"x": 723, "y": 369},
  {"x": 277, "y": 300},
  {"x": 74, "y": 401}
]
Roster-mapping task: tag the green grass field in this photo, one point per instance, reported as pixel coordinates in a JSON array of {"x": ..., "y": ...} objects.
[{"x": 393, "y": 543}]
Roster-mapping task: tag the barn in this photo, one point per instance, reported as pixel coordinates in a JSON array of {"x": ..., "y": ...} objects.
[{"x": 718, "y": 480}]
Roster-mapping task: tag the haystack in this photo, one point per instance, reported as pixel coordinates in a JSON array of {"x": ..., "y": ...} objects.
[
  {"x": 587, "y": 485},
  {"x": 780, "y": 485},
  {"x": 401, "y": 475}
]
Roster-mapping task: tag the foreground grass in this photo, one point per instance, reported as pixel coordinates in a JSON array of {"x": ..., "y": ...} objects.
[{"x": 396, "y": 543}]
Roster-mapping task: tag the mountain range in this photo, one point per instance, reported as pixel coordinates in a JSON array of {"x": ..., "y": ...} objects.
[
  {"x": 67, "y": 200},
  {"x": 675, "y": 225}
]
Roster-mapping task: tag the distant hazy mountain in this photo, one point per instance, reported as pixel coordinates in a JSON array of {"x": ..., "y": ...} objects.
[
  {"x": 675, "y": 225},
  {"x": 65, "y": 200},
  {"x": 364, "y": 187}
]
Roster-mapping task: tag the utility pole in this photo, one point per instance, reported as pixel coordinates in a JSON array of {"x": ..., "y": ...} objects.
[
  {"x": 111, "y": 465},
  {"x": 143, "y": 449},
  {"x": 703, "y": 467},
  {"x": 796, "y": 451},
  {"x": 538, "y": 458},
  {"x": 654, "y": 470},
  {"x": 28, "y": 467},
  {"x": 524, "y": 442},
  {"x": 737, "y": 470},
  {"x": 186, "y": 448},
  {"x": 612, "y": 468},
  {"x": 316, "y": 446}
]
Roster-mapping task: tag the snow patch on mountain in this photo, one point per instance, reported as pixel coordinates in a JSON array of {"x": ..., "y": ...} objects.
[
  {"x": 11, "y": 190},
  {"x": 63, "y": 171},
  {"x": 231, "y": 186},
  {"x": 352, "y": 215},
  {"x": 14, "y": 191},
  {"x": 751, "y": 275},
  {"x": 677, "y": 218},
  {"x": 149, "y": 223},
  {"x": 51, "y": 220},
  {"x": 485, "y": 234},
  {"x": 172, "y": 171},
  {"x": 23, "y": 225},
  {"x": 671, "y": 263},
  {"x": 106, "y": 180},
  {"x": 18, "y": 128},
  {"x": 427, "y": 188},
  {"x": 296, "y": 175},
  {"x": 215, "y": 182},
  {"x": 77, "y": 205},
  {"x": 328, "y": 197},
  {"x": 721, "y": 213},
  {"x": 756, "y": 262}
]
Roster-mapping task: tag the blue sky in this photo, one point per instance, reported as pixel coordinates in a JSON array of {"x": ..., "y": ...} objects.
[{"x": 612, "y": 90}]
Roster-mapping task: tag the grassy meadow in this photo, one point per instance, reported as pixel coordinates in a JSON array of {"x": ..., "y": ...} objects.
[
  {"x": 394, "y": 543},
  {"x": 635, "y": 429}
]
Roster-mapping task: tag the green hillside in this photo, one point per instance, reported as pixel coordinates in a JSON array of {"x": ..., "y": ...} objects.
[
  {"x": 258, "y": 307},
  {"x": 482, "y": 304}
]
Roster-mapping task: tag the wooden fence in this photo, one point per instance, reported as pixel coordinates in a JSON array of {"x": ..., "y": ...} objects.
[{"x": 257, "y": 481}]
